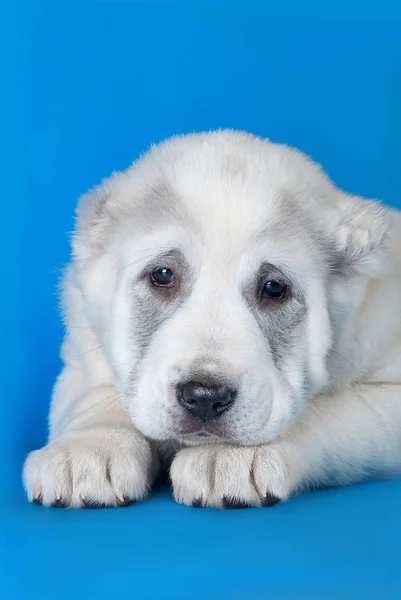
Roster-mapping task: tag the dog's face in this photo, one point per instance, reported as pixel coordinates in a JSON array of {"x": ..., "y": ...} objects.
[{"x": 223, "y": 256}]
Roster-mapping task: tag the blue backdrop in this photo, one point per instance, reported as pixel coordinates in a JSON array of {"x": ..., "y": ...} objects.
[{"x": 86, "y": 88}]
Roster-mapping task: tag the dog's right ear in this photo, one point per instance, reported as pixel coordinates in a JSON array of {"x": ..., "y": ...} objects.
[{"x": 95, "y": 215}]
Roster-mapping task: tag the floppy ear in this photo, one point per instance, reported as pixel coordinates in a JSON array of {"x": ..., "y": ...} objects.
[
  {"x": 359, "y": 230},
  {"x": 95, "y": 215}
]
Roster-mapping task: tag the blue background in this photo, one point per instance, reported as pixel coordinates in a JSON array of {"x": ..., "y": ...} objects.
[{"x": 86, "y": 88}]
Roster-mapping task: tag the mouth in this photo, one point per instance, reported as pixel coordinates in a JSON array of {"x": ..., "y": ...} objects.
[
  {"x": 201, "y": 433},
  {"x": 190, "y": 430},
  {"x": 201, "y": 436}
]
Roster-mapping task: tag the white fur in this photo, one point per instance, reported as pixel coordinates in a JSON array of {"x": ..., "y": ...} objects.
[{"x": 327, "y": 411}]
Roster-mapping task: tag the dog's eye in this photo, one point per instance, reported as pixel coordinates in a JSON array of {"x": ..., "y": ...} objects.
[
  {"x": 274, "y": 289},
  {"x": 162, "y": 277}
]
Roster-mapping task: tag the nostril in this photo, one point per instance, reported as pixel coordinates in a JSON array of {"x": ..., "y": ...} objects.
[
  {"x": 190, "y": 403},
  {"x": 220, "y": 406},
  {"x": 205, "y": 401},
  {"x": 225, "y": 396}
]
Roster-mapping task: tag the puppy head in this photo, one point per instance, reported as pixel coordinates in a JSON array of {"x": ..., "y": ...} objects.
[{"x": 211, "y": 262}]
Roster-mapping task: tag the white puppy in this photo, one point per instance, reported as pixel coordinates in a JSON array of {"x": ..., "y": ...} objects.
[{"x": 227, "y": 309}]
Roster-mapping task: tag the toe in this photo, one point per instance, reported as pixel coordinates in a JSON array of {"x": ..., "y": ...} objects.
[
  {"x": 59, "y": 503},
  {"x": 270, "y": 500},
  {"x": 234, "y": 503}
]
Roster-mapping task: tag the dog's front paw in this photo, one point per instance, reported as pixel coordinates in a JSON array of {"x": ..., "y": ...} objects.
[
  {"x": 230, "y": 477},
  {"x": 91, "y": 468}
]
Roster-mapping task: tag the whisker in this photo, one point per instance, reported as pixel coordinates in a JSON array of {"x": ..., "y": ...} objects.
[
  {"x": 92, "y": 350},
  {"x": 135, "y": 261},
  {"x": 348, "y": 362},
  {"x": 95, "y": 407},
  {"x": 90, "y": 328},
  {"x": 141, "y": 259},
  {"x": 333, "y": 379}
]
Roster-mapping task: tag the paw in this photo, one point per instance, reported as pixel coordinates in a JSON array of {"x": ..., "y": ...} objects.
[
  {"x": 91, "y": 468},
  {"x": 230, "y": 477}
]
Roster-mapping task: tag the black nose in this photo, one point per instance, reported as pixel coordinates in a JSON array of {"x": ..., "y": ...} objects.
[{"x": 203, "y": 401}]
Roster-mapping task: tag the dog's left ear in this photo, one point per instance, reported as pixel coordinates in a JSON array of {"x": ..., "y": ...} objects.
[
  {"x": 359, "y": 228},
  {"x": 95, "y": 216}
]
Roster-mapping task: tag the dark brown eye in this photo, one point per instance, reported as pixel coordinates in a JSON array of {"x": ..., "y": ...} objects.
[
  {"x": 162, "y": 277},
  {"x": 274, "y": 289}
]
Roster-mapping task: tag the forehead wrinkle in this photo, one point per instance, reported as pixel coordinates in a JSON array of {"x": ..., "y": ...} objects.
[
  {"x": 161, "y": 205},
  {"x": 294, "y": 257},
  {"x": 290, "y": 228}
]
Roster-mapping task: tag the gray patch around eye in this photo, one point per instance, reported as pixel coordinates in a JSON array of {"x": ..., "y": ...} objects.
[
  {"x": 265, "y": 272},
  {"x": 173, "y": 259},
  {"x": 279, "y": 321},
  {"x": 152, "y": 306},
  {"x": 281, "y": 328}
]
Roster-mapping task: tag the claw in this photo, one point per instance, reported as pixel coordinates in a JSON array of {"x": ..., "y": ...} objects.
[
  {"x": 233, "y": 503},
  {"x": 88, "y": 503},
  {"x": 59, "y": 503},
  {"x": 126, "y": 501},
  {"x": 269, "y": 500}
]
